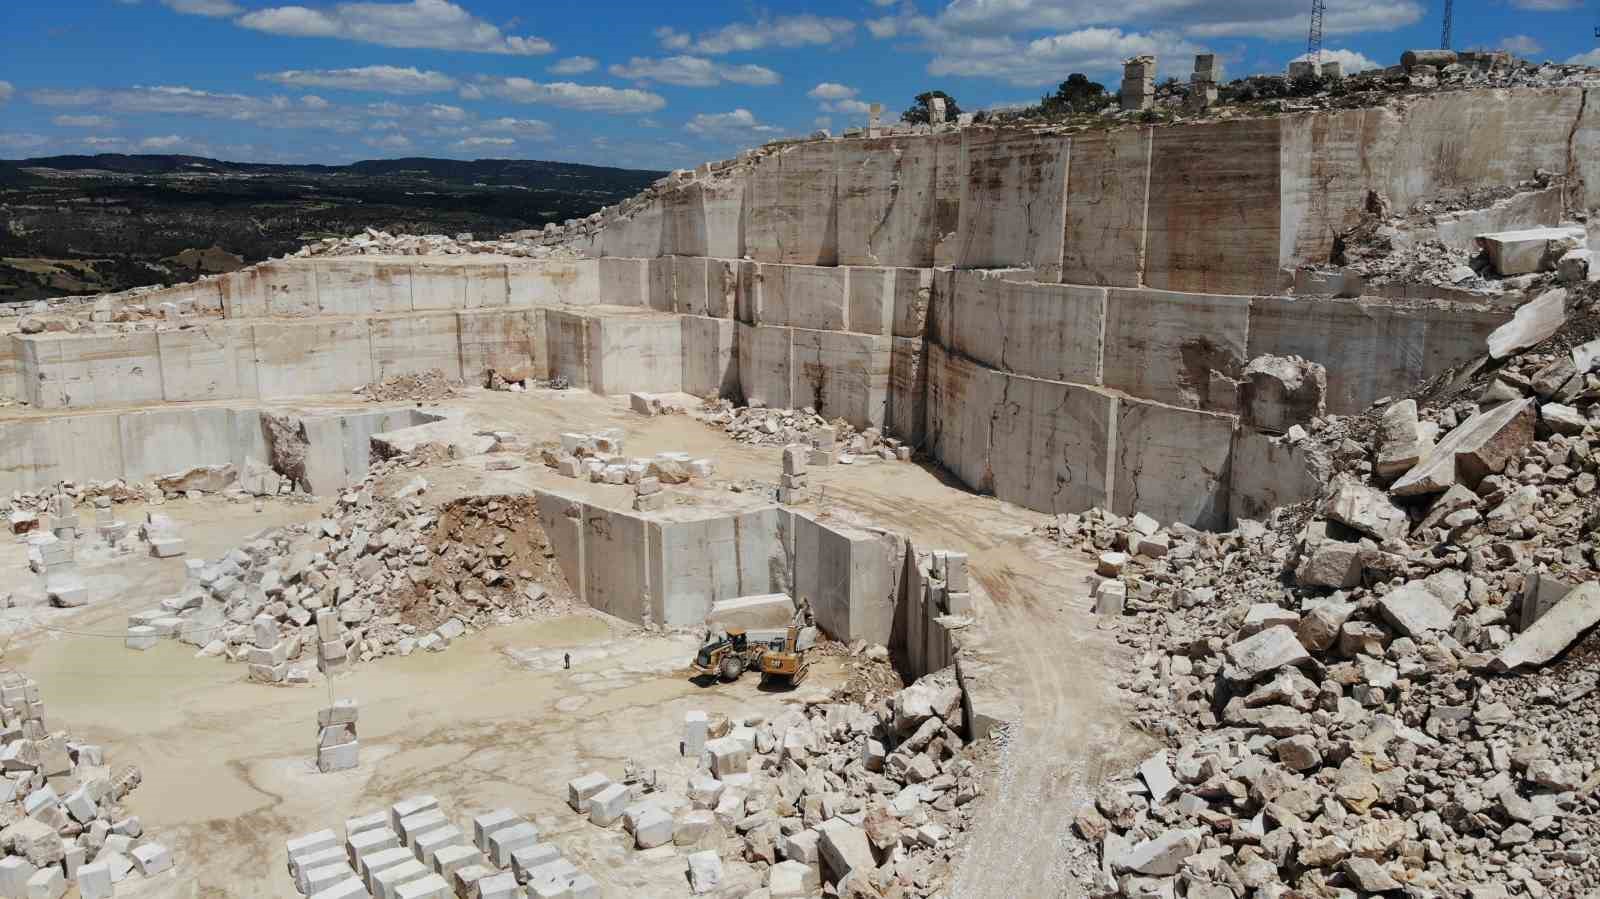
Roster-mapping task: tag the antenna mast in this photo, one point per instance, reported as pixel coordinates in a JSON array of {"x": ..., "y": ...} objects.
[
  {"x": 1314, "y": 38},
  {"x": 1444, "y": 36}
]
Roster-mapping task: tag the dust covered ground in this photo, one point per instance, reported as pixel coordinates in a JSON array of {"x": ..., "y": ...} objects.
[{"x": 496, "y": 721}]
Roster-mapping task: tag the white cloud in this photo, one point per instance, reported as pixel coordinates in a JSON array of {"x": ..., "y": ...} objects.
[
  {"x": 1349, "y": 60},
  {"x": 439, "y": 112},
  {"x": 427, "y": 24},
  {"x": 565, "y": 94},
  {"x": 312, "y": 101},
  {"x": 82, "y": 121},
  {"x": 165, "y": 142},
  {"x": 1592, "y": 58},
  {"x": 1048, "y": 60},
  {"x": 574, "y": 65},
  {"x": 379, "y": 79},
  {"x": 784, "y": 31},
  {"x": 485, "y": 143},
  {"x": 212, "y": 8},
  {"x": 693, "y": 71},
  {"x": 828, "y": 90},
  {"x": 389, "y": 142},
  {"x": 527, "y": 129},
  {"x": 23, "y": 140},
  {"x": 849, "y": 107},
  {"x": 103, "y": 143},
  {"x": 1521, "y": 45},
  {"x": 822, "y": 121},
  {"x": 269, "y": 112},
  {"x": 6, "y": 90},
  {"x": 1547, "y": 5},
  {"x": 730, "y": 127},
  {"x": 886, "y": 27},
  {"x": 990, "y": 38}
]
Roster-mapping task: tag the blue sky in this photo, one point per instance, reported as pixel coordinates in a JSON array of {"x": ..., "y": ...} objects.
[{"x": 632, "y": 84}]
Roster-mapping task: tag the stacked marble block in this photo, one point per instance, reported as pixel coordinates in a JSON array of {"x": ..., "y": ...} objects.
[
  {"x": 824, "y": 446},
  {"x": 792, "y": 488},
  {"x": 949, "y": 586},
  {"x": 1203, "y": 83},
  {"x": 412, "y": 851},
  {"x": 37, "y": 765},
  {"x": 57, "y": 556},
  {"x": 105, "y": 522},
  {"x": 337, "y": 746},
  {"x": 1138, "y": 83},
  {"x": 333, "y": 656},
  {"x": 151, "y": 626},
  {"x": 268, "y": 655},
  {"x": 648, "y": 495},
  {"x": 162, "y": 535}
]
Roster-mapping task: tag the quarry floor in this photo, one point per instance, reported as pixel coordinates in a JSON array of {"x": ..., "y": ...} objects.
[{"x": 495, "y": 721}]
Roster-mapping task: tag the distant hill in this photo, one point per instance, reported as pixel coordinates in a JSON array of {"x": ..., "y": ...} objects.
[{"x": 81, "y": 224}]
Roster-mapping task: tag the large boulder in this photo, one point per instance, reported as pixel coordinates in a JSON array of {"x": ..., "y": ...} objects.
[
  {"x": 1400, "y": 443},
  {"x": 204, "y": 478},
  {"x": 1266, "y": 652},
  {"x": 1532, "y": 323},
  {"x": 1414, "y": 611},
  {"x": 1473, "y": 450},
  {"x": 1555, "y": 630},
  {"x": 1367, "y": 510},
  {"x": 1279, "y": 392}
]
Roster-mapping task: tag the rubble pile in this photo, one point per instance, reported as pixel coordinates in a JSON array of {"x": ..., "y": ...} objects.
[
  {"x": 65, "y": 822},
  {"x": 599, "y": 458},
  {"x": 373, "y": 242},
  {"x": 389, "y": 572},
  {"x": 1393, "y": 686},
  {"x": 761, "y": 426},
  {"x": 1448, "y": 242},
  {"x": 866, "y": 799},
  {"x": 429, "y": 386}
]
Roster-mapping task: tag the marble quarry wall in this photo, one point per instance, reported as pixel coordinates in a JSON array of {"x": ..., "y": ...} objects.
[{"x": 1058, "y": 319}]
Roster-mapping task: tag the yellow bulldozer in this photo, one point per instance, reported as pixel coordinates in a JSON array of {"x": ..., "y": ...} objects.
[{"x": 779, "y": 656}]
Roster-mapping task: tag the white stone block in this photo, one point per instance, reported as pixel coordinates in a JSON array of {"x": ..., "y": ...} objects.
[
  {"x": 47, "y": 883},
  {"x": 489, "y": 822},
  {"x": 368, "y": 842},
  {"x": 705, "y": 871},
  {"x": 349, "y": 888},
  {"x": 580, "y": 789},
  {"x": 429, "y": 886},
  {"x": 382, "y": 860},
  {"x": 508, "y": 840},
  {"x": 13, "y": 875},
  {"x": 386, "y": 884},
  {"x": 94, "y": 882},
  {"x": 606, "y": 806},
  {"x": 166, "y": 547},
  {"x": 524, "y": 860},
  {"x": 727, "y": 756},
  {"x": 653, "y": 828},
  {"x": 428, "y": 844},
  {"x": 414, "y": 826},
  {"x": 695, "y": 726},
  {"x": 141, "y": 637},
  {"x": 320, "y": 878},
  {"x": 453, "y": 858},
  {"x": 498, "y": 886},
  {"x": 408, "y": 807},
  {"x": 305, "y": 864}
]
